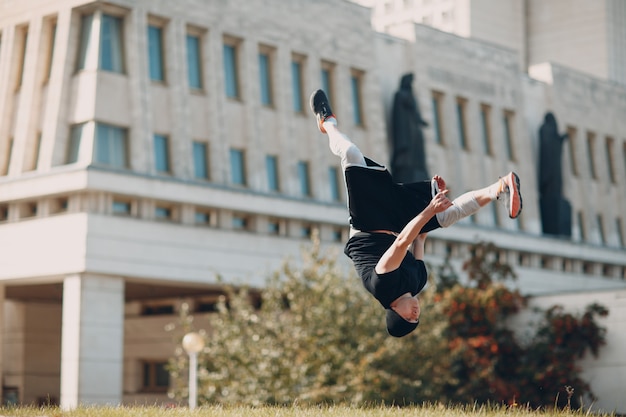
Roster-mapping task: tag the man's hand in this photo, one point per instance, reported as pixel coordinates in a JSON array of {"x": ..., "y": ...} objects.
[{"x": 440, "y": 202}]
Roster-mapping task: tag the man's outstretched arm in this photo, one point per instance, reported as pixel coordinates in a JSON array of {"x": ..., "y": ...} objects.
[{"x": 392, "y": 258}]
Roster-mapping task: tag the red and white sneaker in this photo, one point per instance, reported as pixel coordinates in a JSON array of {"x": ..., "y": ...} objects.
[
  {"x": 511, "y": 195},
  {"x": 321, "y": 108}
]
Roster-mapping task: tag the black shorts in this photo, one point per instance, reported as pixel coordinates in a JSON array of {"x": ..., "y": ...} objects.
[{"x": 376, "y": 202}]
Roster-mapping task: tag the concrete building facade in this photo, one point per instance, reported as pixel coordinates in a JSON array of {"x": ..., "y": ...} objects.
[{"x": 148, "y": 147}]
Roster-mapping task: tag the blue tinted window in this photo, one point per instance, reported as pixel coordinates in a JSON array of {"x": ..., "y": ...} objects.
[
  {"x": 303, "y": 176},
  {"x": 237, "y": 168},
  {"x": 111, "y": 50},
  {"x": 200, "y": 163},
  {"x": 155, "y": 53},
  {"x": 194, "y": 68},
  {"x": 110, "y": 147},
  {"x": 296, "y": 85},
  {"x": 271, "y": 164},
  {"x": 265, "y": 80},
  {"x": 356, "y": 100},
  {"x": 161, "y": 153},
  {"x": 230, "y": 72}
]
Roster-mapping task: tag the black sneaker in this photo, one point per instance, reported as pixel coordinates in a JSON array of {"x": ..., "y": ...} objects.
[{"x": 321, "y": 108}]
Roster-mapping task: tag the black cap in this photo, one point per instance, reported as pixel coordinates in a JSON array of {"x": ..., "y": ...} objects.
[{"x": 398, "y": 326}]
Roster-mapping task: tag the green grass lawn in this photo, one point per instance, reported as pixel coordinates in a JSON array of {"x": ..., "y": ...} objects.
[{"x": 294, "y": 411}]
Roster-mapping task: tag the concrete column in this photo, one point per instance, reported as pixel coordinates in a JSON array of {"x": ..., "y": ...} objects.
[{"x": 92, "y": 339}]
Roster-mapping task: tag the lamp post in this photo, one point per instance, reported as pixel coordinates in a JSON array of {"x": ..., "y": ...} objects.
[{"x": 193, "y": 343}]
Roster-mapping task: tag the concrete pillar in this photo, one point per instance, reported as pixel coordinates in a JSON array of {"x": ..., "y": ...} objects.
[{"x": 92, "y": 339}]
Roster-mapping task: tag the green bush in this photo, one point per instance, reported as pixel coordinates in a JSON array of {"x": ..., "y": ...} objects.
[{"x": 316, "y": 336}]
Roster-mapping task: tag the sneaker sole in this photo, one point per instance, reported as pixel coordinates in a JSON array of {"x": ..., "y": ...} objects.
[
  {"x": 515, "y": 202},
  {"x": 320, "y": 122}
]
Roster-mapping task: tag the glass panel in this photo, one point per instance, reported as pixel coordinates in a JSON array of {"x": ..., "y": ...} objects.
[
  {"x": 303, "y": 175},
  {"x": 356, "y": 100},
  {"x": 193, "y": 62},
  {"x": 461, "y": 123},
  {"x": 85, "y": 37},
  {"x": 161, "y": 153},
  {"x": 333, "y": 178},
  {"x": 76, "y": 134},
  {"x": 121, "y": 207},
  {"x": 271, "y": 165},
  {"x": 436, "y": 118},
  {"x": 110, "y": 146},
  {"x": 296, "y": 86},
  {"x": 507, "y": 136},
  {"x": 264, "y": 73},
  {"x": 111, "y": 44},
  {"x": 237, "y": 167},
  {"x": 326, "y": 84},
  {"x": 230, "y": 72},
  {"x": 155, "y": 53},
  {"x": 484, "y": 115},
  {"x": 162, "y": 375},
  {"x": 200, "y": 165}
]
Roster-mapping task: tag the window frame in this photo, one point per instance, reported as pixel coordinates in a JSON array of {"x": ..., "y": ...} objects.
[
  {"x": 237, "y": 159},
  {"x": 156, "y": 74},
  {"x": 162, "y": 143},
  {"x": 230, "y": 64},
  {"x": 196, "y": 67}
]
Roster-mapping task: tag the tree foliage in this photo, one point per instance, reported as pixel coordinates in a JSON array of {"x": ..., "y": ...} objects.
[{"x": 318, "y": 337}]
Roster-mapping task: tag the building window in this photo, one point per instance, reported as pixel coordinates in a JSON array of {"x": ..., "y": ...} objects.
[
  {"x": 306, "y": 231},
  {"x": 600, "y": 223},
  {"x": 121, "y": 208},
  {"x": 485, "y": 112},
  {"x": 581, "y": 226},
  {"x": 591, "y": 138},
  {"x": 85, "y": 38},
  {"x": 200, "y": 160},
  {"x": 357, "y": 97},
  {"x": 110, "y": 52},
  {"x": 110, "y": 147},
  {"x": 333, "y": 180},
  {"x": 337, "y": 234},
  {"x": 156, "y": 53},
  {"x": 273, "y": 227},
  {"x": 204, "y": 218},
  {"x": 76, "y": 134},
  {"x": 231, "y": 76},
  {"x": 572, "y": 134},
  {"x": 507, "y": 120},
  {"x": 437, "y": 102},
  {"x": 461, "y": 105},
  {"x": 304, "y": 177},
  {"x": 265, "y": 76},
  {"x": 156, "y": 377},
  {"x": 161, "y": 153},
  {"x": 163, "y": 213},
  {"x": 240, "y": 222},
  {"x": 297, "y": 87},
  {"x": 496, "y": 217},
  {"x": 237, "y": 167},
  {"x": 327, "y": 80},
  {"x": 271, "y": 166},
  {"x": 609, "y": 159},
  {"x": 620, "y": 232},
  {"x": 194, "y": 62}
]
